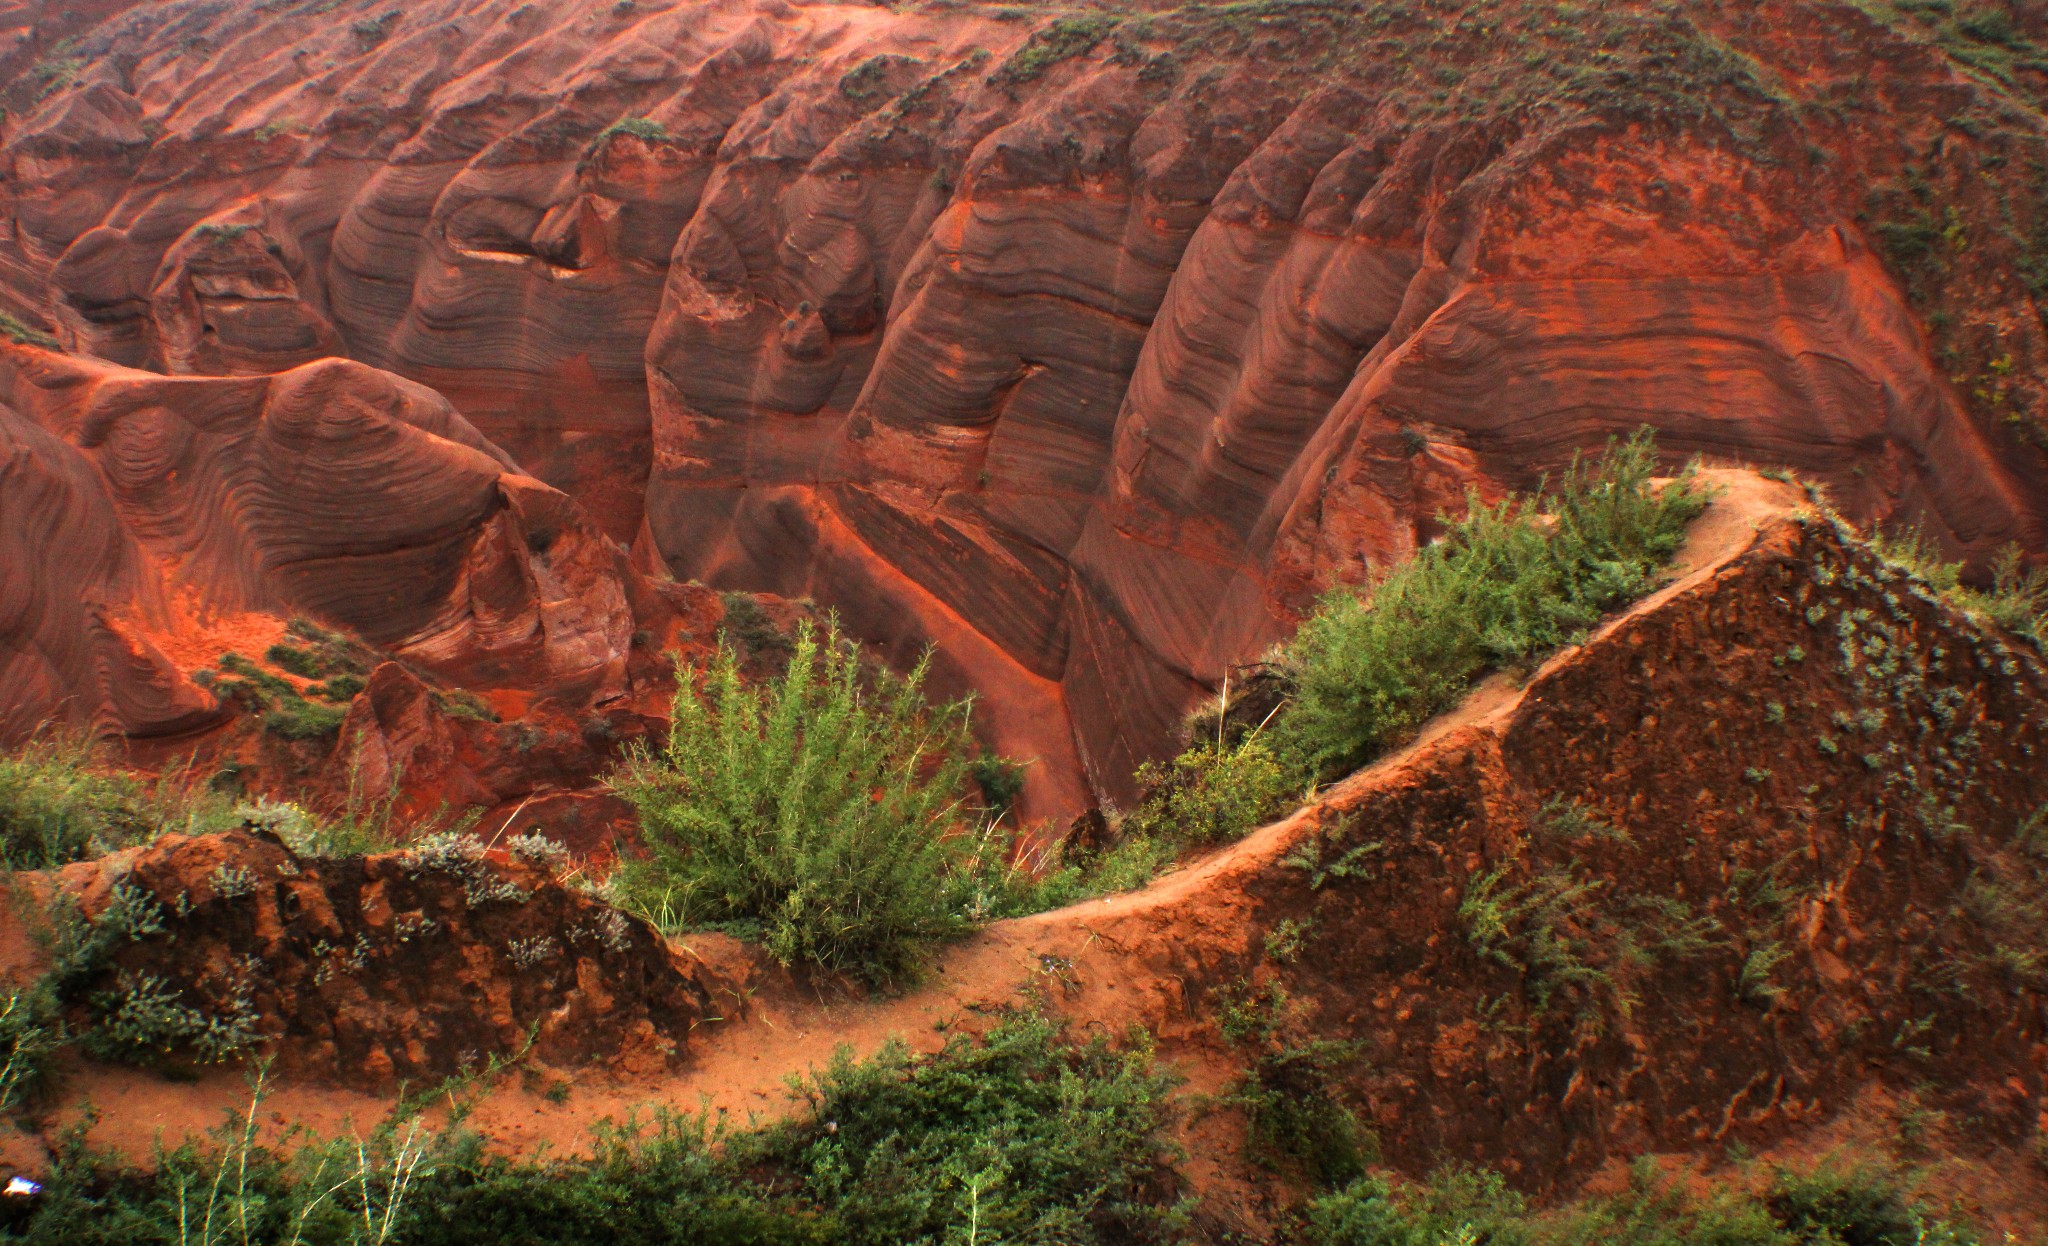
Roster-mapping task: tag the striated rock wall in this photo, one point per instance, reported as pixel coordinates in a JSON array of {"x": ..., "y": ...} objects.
[
  {"x": 1087, "y": 350},
  {"x": 333, "y": 490}
]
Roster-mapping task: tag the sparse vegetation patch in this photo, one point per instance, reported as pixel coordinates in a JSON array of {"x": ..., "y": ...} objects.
[
  {"x": 1021, "y": 1136},
  {"x": 1506, "y": 585}
]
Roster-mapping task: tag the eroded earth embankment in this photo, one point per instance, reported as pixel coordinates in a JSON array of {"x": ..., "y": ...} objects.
[{"x": 1760, "y": 850}]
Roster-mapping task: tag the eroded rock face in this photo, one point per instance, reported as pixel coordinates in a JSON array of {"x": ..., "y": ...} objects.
[
  {"x": 71, "y": 582},
  {"x": 400, "y": 966},
  {"x": 333, "y": 490},
  {"x": 1088, "y": 353}
]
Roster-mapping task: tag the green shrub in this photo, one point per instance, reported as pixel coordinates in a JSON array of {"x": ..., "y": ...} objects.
[
  {"x": 1001, "y": 781},
  {"x": 59, "y": 803},
  {"x": 339, "y": 688},
  {"x": 462, "y": 704},
  {"x": 1506, "y": 585},
  {"x": 1573, "y": 937},
  {"x": 821, "y": 812},
  {"x": 300, "y": 719},
  {"x": 31, "y": 1031},
  {"x": 1210, "y": 794},
  {"x": 23, "y": 334},
  {"x": 284, "y": 710},
  {"x": 1853, "y": 1206},
  {"x": 1293, "y": 1099},
  {"x": 644, "y": 128},
  {"x": 1054, "y": 880},
  {"x": 1022, "y": 1134},
  {"x": 1456, "y": 1206},
  {"x": 55, "y": 807},
  {"x": 1062, "y": 39},
  {"x": 370, "y": 31},
  {"x": 144, "y": 1020},
  {"x": 2016, "y": 600},
  {"x": 747, "y": 623},
  {"x": 301, "y": 662}
]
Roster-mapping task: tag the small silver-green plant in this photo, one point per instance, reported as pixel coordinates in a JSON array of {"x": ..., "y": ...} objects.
[
  {"x": 132, "y": 913},
  {"x": 232, "y": 882},
  {"x": 460, "y": 855},
  {"x": 527, "y": 953},
  {"x": 538, "y": 849}
]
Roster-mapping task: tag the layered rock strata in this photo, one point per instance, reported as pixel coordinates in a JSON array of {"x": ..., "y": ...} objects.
[{"x": 1086, "y": 349}]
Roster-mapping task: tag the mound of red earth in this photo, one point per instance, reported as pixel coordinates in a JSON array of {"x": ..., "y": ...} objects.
[
  {"x": 1771, "y": 840},
  {"x": 1087, "y": 349},
  {"x": 369, "y": 971}
]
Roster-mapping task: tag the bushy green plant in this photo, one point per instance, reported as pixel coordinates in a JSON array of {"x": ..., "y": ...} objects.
[
  {"x": 299, "y": 719},
  {"x": 1125, "y": 865},
  {"x": 644, "y": 128},
  {"x": 1059, "y": 40},
  {"x": 747, "y": 623},
  {"x": 1456, "y": 1205},
  {"x": 31, "y": 1031},
  {"x": 1210, "y": 793},
  {"x": 301, "y": 662},
  {"x": 1506, "y": 584},
  {"x": 1852, "y": 1204},
  {"x": 1001, "y": 781},
  {"x": 1022, "y": 1134},
  {"x": 1573, "y": 937},
  {"x": 285, "y": 712},
  {"x": 56, "y": 806},
  {"x": 61, "y": 802},
  {"x": 2016, "y": 599},
  {"x": 18, "y": 331},
  {"x": 144, "y": 1020},
  {"x": 821, "y": 812},
  {"x": 1293, "y": 1100}
]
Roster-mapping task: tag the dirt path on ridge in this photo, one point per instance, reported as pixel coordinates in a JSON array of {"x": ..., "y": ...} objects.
[{"x": 1085, "y": 961}]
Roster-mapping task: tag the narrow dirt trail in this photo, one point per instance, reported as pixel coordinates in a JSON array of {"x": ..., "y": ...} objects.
[
  {"x": 1136, "y": 959},
  {"x": 1095, "y": 962}
]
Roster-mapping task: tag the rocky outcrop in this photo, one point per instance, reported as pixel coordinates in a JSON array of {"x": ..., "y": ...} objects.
[
  {"x": 386, "y": 968},
  {"x": 333, "y": 490},
  {"x": 71, "y": 583},
  {"x": 1086, "y": 349}
]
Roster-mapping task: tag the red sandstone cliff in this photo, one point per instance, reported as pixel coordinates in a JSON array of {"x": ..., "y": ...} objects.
[{"x": 1087, "y": 350}]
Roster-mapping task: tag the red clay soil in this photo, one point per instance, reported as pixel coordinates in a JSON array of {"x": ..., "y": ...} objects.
[
  {"x": 1088, "y": 352},
  {"x": 1857, "y": 947},
  {"x": 402, "y": 967}
]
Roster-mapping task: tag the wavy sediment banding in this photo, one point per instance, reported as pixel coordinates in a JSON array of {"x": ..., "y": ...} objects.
[{"x": 1117, "y": 357}]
